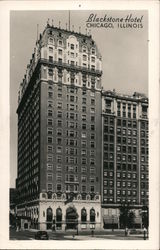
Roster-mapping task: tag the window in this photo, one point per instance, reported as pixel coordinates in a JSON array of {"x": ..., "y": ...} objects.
[
  {"x": 59, "y": 123},
  {"x": 50, "y": 40},
  {"x": 83, "y": 109},
  {"x": 134, "y": 132},
  {"x": 72, "y": 55},
  {"x": 60, "y": 42},
  {"x": 49, "y": 158},
  {"x": 84, "y": 57},
  {"x": 59, "y": 159},
  {"x": 72, "y": 46},
  {"x": 49, "y": 148},
  {"x": 59, "y": 94},
  {"x": 92, "y": 169},
  {"x": 118, "y": 184},
  {"x": 50, "y": 58},
  {"x": 58, "y": 176},
  {"x": 83, "y": 169},
  {"x": 118, "y": 192},
  {"x": 92, "y": 127},
  {"x": 60, "y": 51},
  {"x": 84, "y": 49},
  {"x": 92, "y": 59},
  {"x": 129, "y": 192},
  {"x": 92, "y": 136},
  {"x": 50, "y": 113},
  {"x": 84, "y": 100},
  {"x": 83, "y": 117},
  {"x": 51, "y": 49},
  {"x": 59, "y": 150},
  {"x": 84, "y": 188},
  {"x": 134, "y": 176},
  {"x": 59, "y": 105},
  {"x": 59, "y": 168},
  {"x": 49, "y": 177},
  {"x": 92, "y": 179},
  {"x": 50, "y": 139},
  {"x": 84, "y": 143},
  {"x": 83, "y": 178},
  {"x": 92, "y": 144},
  {"x": 49, "y": 187},
  {"x": 124, "y": 175},
  {"x": 129, "y": 175},
  {"x": 59, "y": 141},
  {"x": 59, "y": 114},
  {"x": 59, "y": 187},
  {"x": 83, "y": 152},
  {"x": 84, "y": 161},
  {"x": 83, "y": 135},
  {"x": 92, "y": 101},
  {"x": 123, "y": 192},
  {"x": 84, "y": 125},
  {"x": 92, "y": 188},
  {"x": 92, "y": 161},
  {"x": 92, "y": 110},
  {"x": 118, "y": 175},
  {"x": 93, "y": 51},
  {"x": 50, "y": 94},
  {"x": 49, "y": 166}
]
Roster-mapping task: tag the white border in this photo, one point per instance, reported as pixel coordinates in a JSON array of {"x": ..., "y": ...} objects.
[{"x": 153, "y": 9}]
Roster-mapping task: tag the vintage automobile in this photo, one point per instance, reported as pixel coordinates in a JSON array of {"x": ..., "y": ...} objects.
[{"x": 41, "y": 235}]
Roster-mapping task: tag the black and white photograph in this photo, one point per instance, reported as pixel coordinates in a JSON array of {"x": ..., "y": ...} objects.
[{"x": 79, "y": 126}]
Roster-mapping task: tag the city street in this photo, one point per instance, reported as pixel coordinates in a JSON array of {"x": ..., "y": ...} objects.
[{"x": 99, "y": 235}]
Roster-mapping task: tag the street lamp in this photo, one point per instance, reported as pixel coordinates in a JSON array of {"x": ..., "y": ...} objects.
[{"x": 112, "y": 222}]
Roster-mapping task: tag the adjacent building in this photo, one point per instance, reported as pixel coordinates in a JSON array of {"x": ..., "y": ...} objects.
[
  {"x": 59, "y": 133},
  {"x": 125, "y": 155}
]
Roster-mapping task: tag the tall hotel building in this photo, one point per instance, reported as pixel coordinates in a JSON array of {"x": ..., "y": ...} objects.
[
  {"x": 60, "y": 133},
  {"x": 125, "y": 155}
]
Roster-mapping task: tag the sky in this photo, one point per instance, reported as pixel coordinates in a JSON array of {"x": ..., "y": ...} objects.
[{"x": 124, "y": 55}]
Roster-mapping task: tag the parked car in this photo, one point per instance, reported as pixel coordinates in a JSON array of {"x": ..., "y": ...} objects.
[{"x": 41, "y": 235}]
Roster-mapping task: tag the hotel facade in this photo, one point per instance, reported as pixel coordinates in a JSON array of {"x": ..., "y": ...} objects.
[
  {"x": 59, "y": 133},
  {"x": 77, "y": 144}
]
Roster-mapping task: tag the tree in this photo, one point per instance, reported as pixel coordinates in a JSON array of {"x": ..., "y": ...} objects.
[
  {"x": 131, "y": 219},
  {"x": 127, "y": 216},
  {"x": 145, "y": 216}
]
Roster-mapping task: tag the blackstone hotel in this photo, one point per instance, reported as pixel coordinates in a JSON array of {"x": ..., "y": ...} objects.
[{"x": 82, "y": 151}]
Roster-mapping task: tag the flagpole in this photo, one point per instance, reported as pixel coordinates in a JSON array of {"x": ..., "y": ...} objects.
[{"x": 69, "y": 20}]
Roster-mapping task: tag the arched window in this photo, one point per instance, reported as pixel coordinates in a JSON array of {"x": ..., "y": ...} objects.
[
  {"x": 59, "y": 218},
  {"x": 83, "y": 215},
  {"x": 92, "y": 215},
  {"x": 49, "y": 214}
]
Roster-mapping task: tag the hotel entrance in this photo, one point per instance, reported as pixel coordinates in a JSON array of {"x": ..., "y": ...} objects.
[{"x": 71, "y": 218}]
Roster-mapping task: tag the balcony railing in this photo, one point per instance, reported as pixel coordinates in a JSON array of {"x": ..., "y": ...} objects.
[{"x": 70, "y": 66}]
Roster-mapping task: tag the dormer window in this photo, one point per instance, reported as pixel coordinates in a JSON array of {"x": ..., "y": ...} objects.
[
  {"x": 60, "y": 42},
  {"x": 72, "y": 46},
  {"x": 50, "y": 40},
  {"x": 84, "y": 49}
]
